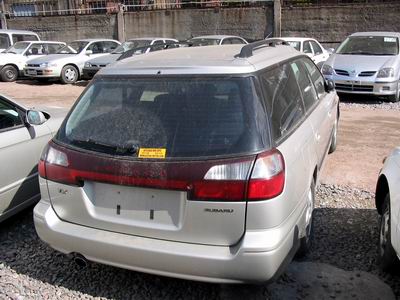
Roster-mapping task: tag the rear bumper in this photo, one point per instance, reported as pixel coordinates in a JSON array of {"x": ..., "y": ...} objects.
[{"x": 245, "y": 262}]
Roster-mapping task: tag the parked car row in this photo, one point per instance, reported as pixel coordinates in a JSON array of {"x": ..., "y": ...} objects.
[{"x": 81, "y": 59}]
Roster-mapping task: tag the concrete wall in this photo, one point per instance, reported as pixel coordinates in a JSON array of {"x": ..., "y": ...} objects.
[
  {"x": 332, "y": 24},
  {"x": 68, "y": 28},
  {"x": 251, "y": 23}
]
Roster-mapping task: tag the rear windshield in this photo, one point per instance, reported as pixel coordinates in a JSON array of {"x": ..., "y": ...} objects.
[
  {"x": 369, "y": 45},
  {"x": 188, "y": 117}
]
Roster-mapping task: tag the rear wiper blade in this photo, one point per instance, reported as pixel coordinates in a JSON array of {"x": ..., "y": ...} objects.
[{"x": 121, "y": 149}]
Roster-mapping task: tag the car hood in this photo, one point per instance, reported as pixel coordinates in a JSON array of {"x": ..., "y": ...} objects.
[
  {"x": 8, "y": 57},
  {"x": 360, "y": 63},
  {"x": 53, "y": 58},
  {"x": 105, "y": 60}
]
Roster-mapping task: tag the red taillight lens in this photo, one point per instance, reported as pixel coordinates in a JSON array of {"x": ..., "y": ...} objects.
[
  {"x": 268, "y": 177},
  {"x": 226, "y": 190}
]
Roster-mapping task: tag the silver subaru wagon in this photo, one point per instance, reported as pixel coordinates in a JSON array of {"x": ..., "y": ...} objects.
[{"x": 196, "y": 163}]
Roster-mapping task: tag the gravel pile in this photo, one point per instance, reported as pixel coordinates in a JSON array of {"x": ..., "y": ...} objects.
[
  {"x": 368, "y": 103},
  {"x": 346, "y": 234}
]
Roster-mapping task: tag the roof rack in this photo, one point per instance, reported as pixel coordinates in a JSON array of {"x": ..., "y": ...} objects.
[{"x": 247, "y": 50}]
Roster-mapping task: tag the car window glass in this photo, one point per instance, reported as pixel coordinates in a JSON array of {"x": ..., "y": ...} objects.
[
  {"x": 307, "y": 47},
  {"x": 37, "y": 49},
  {"x": 317, "y": 49},
  {"x": 157, "y": 45},
  {"x": 24, "y": 37},
  {"x": 53, "y": 48},
  {"x": 317, "y": 78},
  {"x": 283, "y": 99},
  {"x": 189, "y": 117},
  {"x": 4, "y": 41},
  {"x": 109, "y": 46},
  {"x": 306, "y": 86},
  {"x": 227, "y": 41},
  {"x": 9, "y": 116},
  {"x": 96, "y": 47},
  {"x": 237, "y": 41}
]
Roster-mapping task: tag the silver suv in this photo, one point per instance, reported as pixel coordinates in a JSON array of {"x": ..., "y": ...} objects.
[{"x": 198, "y": 163}]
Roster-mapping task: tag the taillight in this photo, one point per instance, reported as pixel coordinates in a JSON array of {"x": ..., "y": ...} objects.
[
  {"x": 53, "y": 165},
  {"x": 268, "y": 177}
]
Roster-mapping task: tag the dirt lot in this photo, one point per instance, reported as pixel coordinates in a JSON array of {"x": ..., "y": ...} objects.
[
  {"x": 340, "y": 265},
  {"x": 365, "y": 136}
]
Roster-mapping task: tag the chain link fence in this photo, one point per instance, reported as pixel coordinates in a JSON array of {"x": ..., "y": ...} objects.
[{"x": 299, "y": 3}]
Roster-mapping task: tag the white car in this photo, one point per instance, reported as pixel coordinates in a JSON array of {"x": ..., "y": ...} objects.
[
  {"x": 23, "y": 135},
  {"x": 310, "y": 47},
  {"x": 13, "y": 60},
  {"x": 387, "y": 199},
  {"x": 209, "y": 40},
  {"x": 67, "y": 64}
]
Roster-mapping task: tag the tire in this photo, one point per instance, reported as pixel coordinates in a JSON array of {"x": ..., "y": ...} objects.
[
  {"x": 333, "y": 145},
  {"x": 387, "y": 258},
  {"x": 9, "y": 74},
  {"x": 306, "y": 241},
  {"x": 69, "y": 74},
  {"x": 393, "y": 98}
]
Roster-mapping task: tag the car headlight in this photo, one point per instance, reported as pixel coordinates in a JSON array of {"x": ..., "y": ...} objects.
[
  {"x": 88, "y": 65},
  {"x": 47, "y": 64},
  {"x": 327, "y": 70},
  {"x": 385, "y": 73}
]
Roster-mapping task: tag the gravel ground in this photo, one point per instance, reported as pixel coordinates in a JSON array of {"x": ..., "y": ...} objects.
[
  {"x": 368, "y": 103},
  {"x": 346, "y": 234}
]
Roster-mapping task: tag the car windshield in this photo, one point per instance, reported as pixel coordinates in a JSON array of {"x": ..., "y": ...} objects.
[
  {"x": 130, "y": 45},
  {"x": 73, "y": 48},
  {"x": 369, "y": 45},
  {"x": 17, "y": 48},
  {"x": 294, "y": 44},
  {"x": 204, "y": 41},
  {"x": 188, "y": 117}
]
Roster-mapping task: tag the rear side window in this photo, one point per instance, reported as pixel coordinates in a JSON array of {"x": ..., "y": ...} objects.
[
  {"x": 24, "y": 37},
  {"x": 190, "y": 117},
  {"x": 283, "y": 99},
  {"x": 306, "y": 86},
  {"x": 316, "y": 77},
  {"x": 4, "y": 41}
]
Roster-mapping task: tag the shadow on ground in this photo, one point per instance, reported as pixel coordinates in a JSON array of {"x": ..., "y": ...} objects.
[{"x": 345, "y": 238}]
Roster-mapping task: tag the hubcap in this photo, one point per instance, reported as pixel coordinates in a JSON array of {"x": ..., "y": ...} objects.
[
  {"x": 70, "y": 74},
  {"x": 383, "y": 238},
  {"x": 10, "y": 74}
]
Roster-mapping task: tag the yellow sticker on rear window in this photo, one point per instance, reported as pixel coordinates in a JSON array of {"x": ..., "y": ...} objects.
[{"x": 152, "y": 153}]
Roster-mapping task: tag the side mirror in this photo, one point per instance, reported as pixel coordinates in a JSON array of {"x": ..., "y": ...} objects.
[
  {"x": 89, "y": 52},
  {"x": 35, "y": 117},
  {"x": 329, "y": 85}
]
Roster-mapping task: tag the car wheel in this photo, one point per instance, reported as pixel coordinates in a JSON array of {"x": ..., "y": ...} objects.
[
  {"x": 69, "y": 74},
  {"x": 333, "y": 145},
  {"x": 306, "y": 240},
  {"x": 9, "y": 74},
  {"x": 387, "y": 258}
]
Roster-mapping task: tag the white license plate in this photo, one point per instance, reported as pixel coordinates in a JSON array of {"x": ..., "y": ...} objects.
[{"x": 31, "y": 72}]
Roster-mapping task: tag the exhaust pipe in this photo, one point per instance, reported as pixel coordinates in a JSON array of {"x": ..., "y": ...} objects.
[{"x": 80, "y": 260}]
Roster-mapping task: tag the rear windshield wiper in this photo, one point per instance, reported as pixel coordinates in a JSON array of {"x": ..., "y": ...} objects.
[{"x": 129, "y": 147}]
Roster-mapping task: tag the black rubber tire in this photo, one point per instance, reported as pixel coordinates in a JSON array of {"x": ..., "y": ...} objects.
[
  {"x": 66, "y": 74},
  {"x": 9, "y": 73},
  {"x": 306, "y": 241},
  {"x": 387, "y": 258},
  {"x": 393, "y": 98},
  {"x": 333, "y": 144}
]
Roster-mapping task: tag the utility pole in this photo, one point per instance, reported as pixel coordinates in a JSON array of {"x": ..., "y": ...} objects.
[{"x": 3, "y": 21}]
